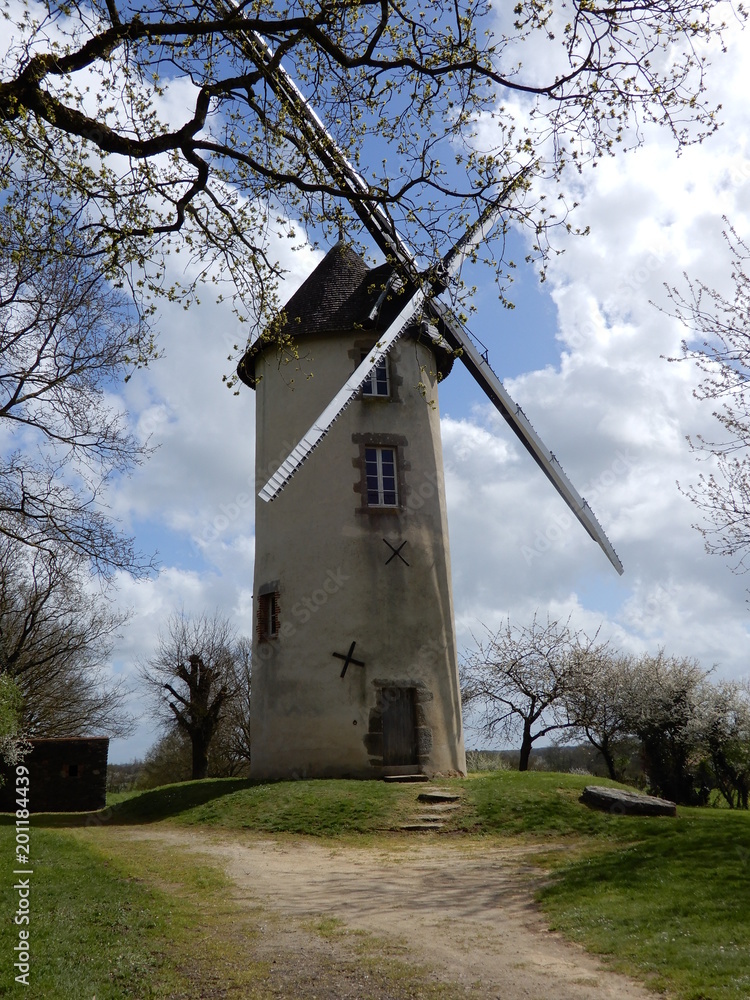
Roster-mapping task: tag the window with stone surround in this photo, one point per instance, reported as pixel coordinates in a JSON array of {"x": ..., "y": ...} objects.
[
  {"x": 377, "y": 384},
  {"x": 382, "y": 477}
]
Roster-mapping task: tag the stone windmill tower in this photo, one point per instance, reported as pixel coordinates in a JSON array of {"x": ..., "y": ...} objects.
[
  {"x": 354, "y": 658},
  {"x": 354, "y": 664}
]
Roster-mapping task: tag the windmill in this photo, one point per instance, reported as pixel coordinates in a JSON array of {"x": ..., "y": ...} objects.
[{"x": 355, "y": 665}]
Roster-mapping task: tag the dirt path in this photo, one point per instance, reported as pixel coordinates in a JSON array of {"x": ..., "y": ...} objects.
[{"x": 467, "y": 912}]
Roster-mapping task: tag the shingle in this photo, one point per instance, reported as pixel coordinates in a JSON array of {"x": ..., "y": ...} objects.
[{"x": 332, "y": 297}]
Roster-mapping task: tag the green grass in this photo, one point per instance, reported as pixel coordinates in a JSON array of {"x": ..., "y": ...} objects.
[
  {"x": 667, "y": 900},
  {"x": 127, "y": 920},
  {"x": 544, "y": 804},
  {"x": 79, "y": 901},
  {"x": 315, "y": 808},
  {"x": 673, "y": 908}
]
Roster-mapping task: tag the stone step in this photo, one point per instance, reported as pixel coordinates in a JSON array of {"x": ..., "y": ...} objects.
[
  {"x": 438, "y": 796},
  {"x": 421, "y": 826}
]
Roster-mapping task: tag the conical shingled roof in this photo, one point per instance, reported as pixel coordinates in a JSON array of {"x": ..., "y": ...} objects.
[
  {"x": 339, "y": 296},
  {"x": 335, "y": 296}
]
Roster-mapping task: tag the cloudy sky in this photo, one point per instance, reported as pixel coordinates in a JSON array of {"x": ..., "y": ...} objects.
[{"x": 584, "y": 356}]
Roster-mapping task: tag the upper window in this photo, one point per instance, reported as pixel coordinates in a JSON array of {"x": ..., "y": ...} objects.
[
  {"x": 382, "y": 479},
  {"x": 376, "y": 383}
]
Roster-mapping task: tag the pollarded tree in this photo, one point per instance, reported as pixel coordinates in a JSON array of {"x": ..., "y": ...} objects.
[
  {"x": 56, "y": 635},
  {"x": 446, "y": 108},
  {"x": 170, "y": 758},
  {"x": 193, "y": 677},
  {"x": 66, "y": 337},
  {"x": 521, "y": 676}
]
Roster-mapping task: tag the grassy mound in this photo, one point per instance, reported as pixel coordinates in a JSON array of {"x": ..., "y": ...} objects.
[{"x": 665, "y": 899}]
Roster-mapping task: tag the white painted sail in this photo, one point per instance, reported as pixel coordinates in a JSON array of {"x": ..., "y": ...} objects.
[{"x": 521, "y": 426}]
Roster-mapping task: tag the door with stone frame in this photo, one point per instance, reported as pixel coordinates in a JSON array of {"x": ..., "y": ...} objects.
[{"x": 399, "y": 726}]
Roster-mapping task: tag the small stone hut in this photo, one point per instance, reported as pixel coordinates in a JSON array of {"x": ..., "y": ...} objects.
[{"x": 65, "y": 775}]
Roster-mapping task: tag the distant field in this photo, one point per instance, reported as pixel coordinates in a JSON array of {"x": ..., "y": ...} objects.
[{"x": 667, "y": 899}]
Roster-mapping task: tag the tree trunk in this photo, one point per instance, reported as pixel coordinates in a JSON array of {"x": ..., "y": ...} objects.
[
  {"x": 609, "y": 760},
  {"x": 200, "y": 757},
  {"x": 526, "y": 744}
]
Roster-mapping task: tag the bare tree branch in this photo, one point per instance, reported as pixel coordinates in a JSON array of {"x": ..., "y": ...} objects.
[
  {"x": 55, "y": 640},
  {"x": 719, "y": 346},
  {"x": 65, "y": 337}
]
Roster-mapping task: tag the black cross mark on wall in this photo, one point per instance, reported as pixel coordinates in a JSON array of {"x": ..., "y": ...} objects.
[
  {"x": 348, "y": 658},
  {"x": 396, "y": 552}
]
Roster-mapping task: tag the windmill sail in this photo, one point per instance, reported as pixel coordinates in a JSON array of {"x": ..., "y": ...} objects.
[{"x": 425, "y": 289}]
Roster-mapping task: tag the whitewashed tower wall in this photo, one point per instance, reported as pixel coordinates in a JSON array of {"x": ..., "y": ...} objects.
[{"x": 334, "y": 565}]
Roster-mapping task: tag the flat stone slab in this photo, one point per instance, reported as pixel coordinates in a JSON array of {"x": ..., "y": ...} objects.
[
  {"x": 437, "y": 796},
  {"x": 405, "y": 779},
  {"x": 421, "y": 826},
  {"x": 626, "y": 803}
]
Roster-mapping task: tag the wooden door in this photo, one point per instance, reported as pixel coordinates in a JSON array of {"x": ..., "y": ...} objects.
[{"x": 399, "y": 727}]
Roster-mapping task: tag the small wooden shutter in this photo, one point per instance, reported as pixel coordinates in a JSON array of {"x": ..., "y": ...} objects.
[{"x": 267, "y": 620}]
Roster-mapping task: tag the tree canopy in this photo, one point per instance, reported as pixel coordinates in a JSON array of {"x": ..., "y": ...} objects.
[
  {"x": 155, "y": 126},
  {"x": 523, "y": 676},
  {"x": 545, "y": 679}
]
